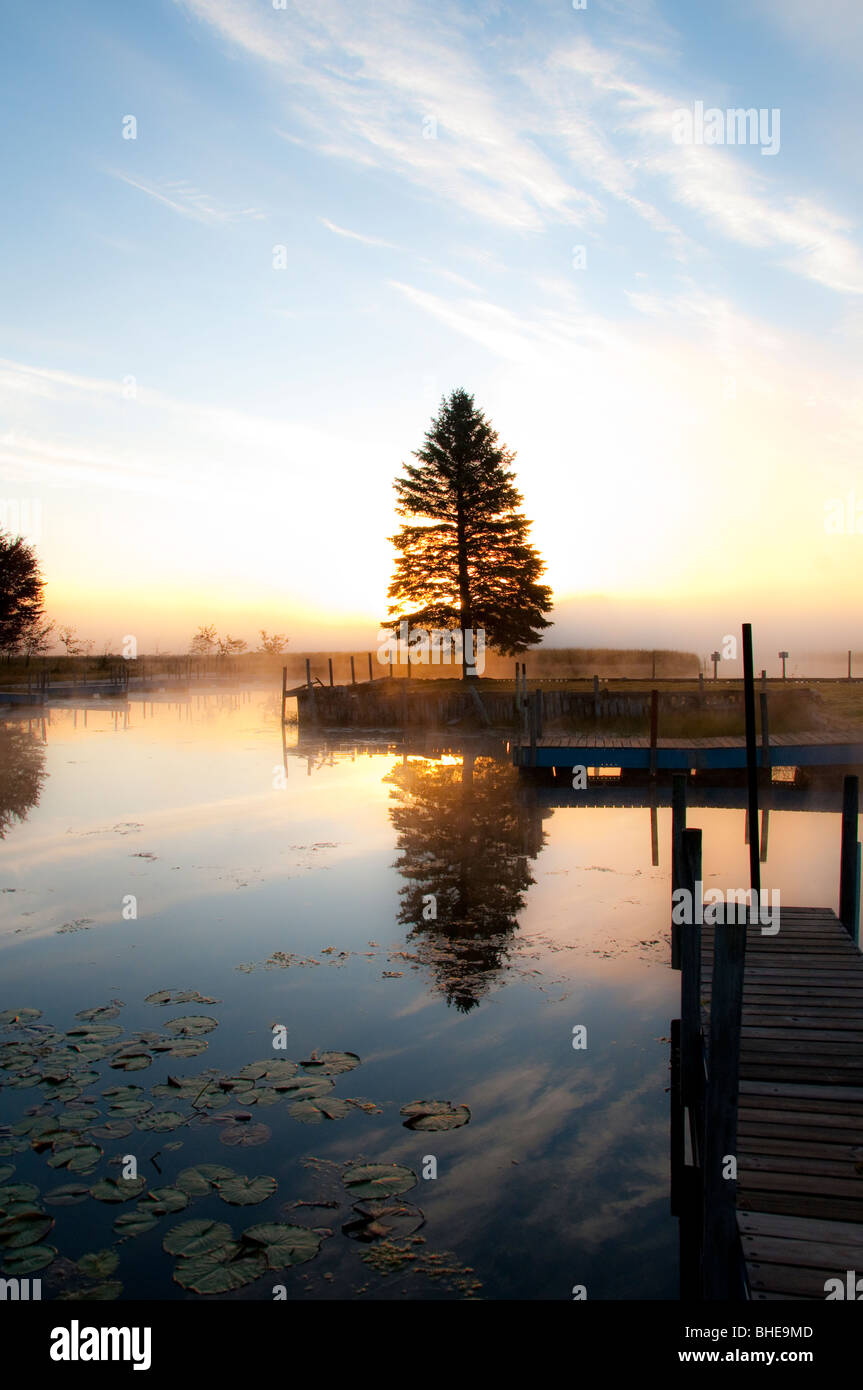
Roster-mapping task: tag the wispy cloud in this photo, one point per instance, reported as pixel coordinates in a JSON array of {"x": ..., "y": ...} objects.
[
  {"x": 359, "y": 236},
  {"x": 183, "y": 198}
]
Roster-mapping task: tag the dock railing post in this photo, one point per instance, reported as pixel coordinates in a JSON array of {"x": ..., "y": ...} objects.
[
  {"x": 284, "y": 690},
  {"x": 721, "y": 1275},
  {"x": 371, "y": 676},
  {"x": 751, "y": 765},
  {"x": 765, "y": 736},
  {"x": 654, "y": 729},
  {"x": 691, "y": 1056},
  {"x": 849, "y": 859},
  {"x": 353, "y": 673},
  {"x": 678, "y": 825}
]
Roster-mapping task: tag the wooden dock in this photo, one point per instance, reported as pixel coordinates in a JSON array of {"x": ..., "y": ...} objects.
[
  {"x": 767, "y": 1086},
  {"x": 800, "y": 1109},
  {"x": 684, "y": 754}
]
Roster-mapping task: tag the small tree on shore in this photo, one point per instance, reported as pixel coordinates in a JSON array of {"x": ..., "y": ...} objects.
[
  {"x": 204, "y": 640},
  {"x": 464, "y": 558},
  {"x": 272, "y": 645},
  {"x": 21, "y": 589}
]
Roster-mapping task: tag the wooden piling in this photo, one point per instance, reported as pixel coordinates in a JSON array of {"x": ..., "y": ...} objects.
[
  {"x": 692, "y": 1064},
  {"x": 330, "y": 660},
  {"x": 353, "y": 673},
  {"x": 849, "y": 859},
  {"x": 721, "y": 1261},
  {"x": 751, "y": 766},
  {"x": 371, "y": 676},
  {"x": 654, "y": 729},
  {"x": 284, "y": 690},
  {"x": 678, "y": 825},
  {"x": 765, "y": 733}
]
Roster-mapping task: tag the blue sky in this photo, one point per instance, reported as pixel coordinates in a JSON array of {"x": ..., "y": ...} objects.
[{"x": 205, "y": 437}]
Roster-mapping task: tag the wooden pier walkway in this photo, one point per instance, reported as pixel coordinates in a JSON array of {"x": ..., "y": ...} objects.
[{"x": 800, "y": 1109}]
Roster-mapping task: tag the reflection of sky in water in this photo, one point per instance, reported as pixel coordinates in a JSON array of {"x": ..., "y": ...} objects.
[{"x": 561, "y": 1177}]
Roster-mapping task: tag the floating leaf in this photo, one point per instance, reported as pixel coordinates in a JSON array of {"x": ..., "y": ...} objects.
[
  {"x": 179, "y": 996},
  {"x": 284, "y": 1245},
  {"x": 100, "y": 1293},
  {"x": 100, "y": 1014},
  {"x": 135, "y": 1223},
  {"x": 430, "y": 1115},
  {"x": 380, "y": 1220},
  {"x": 163, "y": 1200},
  {"x": 133, "y": 1059},
  {"x": 378, "y": 1179},
  {"x": 314, "y": 1112},
  {"x": 191, "y": 1025},
  {"x": 69, "y": 1195},
  {"x": 117, "y": 1189},
  {"x": 24, "y": 1226},
  {"x": 17, "y": 1192},
  {"x": 331, "y": 1063},
  {"x": 6, "y": 1171},
  {"x": 77, "y": 1158},
  {"x": 199, "y": 1237},
  {"x": 181, "y": 1047},
  {"x": 207, "y": 1274},
  {"x": 246, "y": 1192},
  {"x": 21, "y": 1016},
  {"x": 28, "y": 1259},
  {"x": 162, "y": 1121},
  {"x": 96, "y": 1032},
  {"x": 199, "y": 1180},
  {"x": 113, "y": 1129},
  {"x": 245, "y": 1135},
  {"x": 99, "y": 1265},
  {"x": 303, "y": 1086}
]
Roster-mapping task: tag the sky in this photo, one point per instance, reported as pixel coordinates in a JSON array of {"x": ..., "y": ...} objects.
[{"x": 249, "y": 244}]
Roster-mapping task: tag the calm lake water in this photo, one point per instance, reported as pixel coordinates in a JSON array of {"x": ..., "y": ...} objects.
[{"x": 296, "y": 889}]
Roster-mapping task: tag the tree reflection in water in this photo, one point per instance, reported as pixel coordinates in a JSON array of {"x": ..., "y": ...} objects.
[
  {"x": 466, "y": 839},
  {"x": 22, "y": 772}
]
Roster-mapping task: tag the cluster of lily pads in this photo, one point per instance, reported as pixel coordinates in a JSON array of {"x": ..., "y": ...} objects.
[{"x": 68, "y": 1128}]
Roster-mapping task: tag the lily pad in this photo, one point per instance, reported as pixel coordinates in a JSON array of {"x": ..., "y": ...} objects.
[
  {"x": 69, "y": 1195},
  {"x": 198, "y": 1181},
  {"x": 162, "y": 1200},
  {"x": 383, "y": 1220},
  {"x": 162, "y": 1121},
  {"x": 99, "y": 1293},
  {"x": 28, "y": 1259},
  {"x": 284, "y": 1245},
  {"x": 331, "y": 1063},
  {"x": 208, "y": 1274},
  {"x": 314, "y": 1112},
  {"x": 191, "y": 1025},
  {"x": 133, "y": 1059},
  {"x": 113, "y": 1129},
  {"x": 6, "y": 1171},
  {"x": 24, "y": 1226},
  {"x": 245, "y": 1135},
  {"x": 76, "y": 1158},
  {"x": 199, "y": 1237},
  {"x": 16, "y": 1192},
  {"x": 21, "y": 1016},
  {"x": 246, "y": 1192},
  {"x": 135, "y": 1223},
  {"x": 181, "y": 1047},
  {"x": 431, "y": 1115},
  {"x": 99, "y": 1265},
  {"x": 179, "y": 996},
  {"x": 117, "y": 1189},
  {"x": 100, "y": 1014},
  {"x": 378, "y": 1179}
]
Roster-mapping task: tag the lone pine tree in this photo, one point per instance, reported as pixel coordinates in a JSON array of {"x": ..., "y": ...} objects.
[{"x": 464, "y": 559}]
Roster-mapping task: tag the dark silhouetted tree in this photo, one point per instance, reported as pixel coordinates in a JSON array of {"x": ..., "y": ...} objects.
[
  {"x": 20, "y": 591},
  {"x": 464, "y": 557}
]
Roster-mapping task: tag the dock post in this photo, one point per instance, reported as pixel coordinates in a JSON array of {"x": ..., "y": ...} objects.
[
  {"x": 654, "y": 729},
  {"x": 849, "y": 859},
  {"x": 678, "y": 825},
  {"x": 531, "y": 715},
  {"x": 596, "y": 697},
  {"x": 765, "y": 733},
  {"x": 849, "y": 666},
  {"x": 311, "y": 691},
  {"x": 330, "y": 660},
  {"x": 751, "y": 767},
  {"x": 692, "y": 1068},
  {"x": 284, "y": 690},
  {"x": 353, "y": 673},
  {"x": 371, "y": 677},
  {"x": 721, "y": 1277}
]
